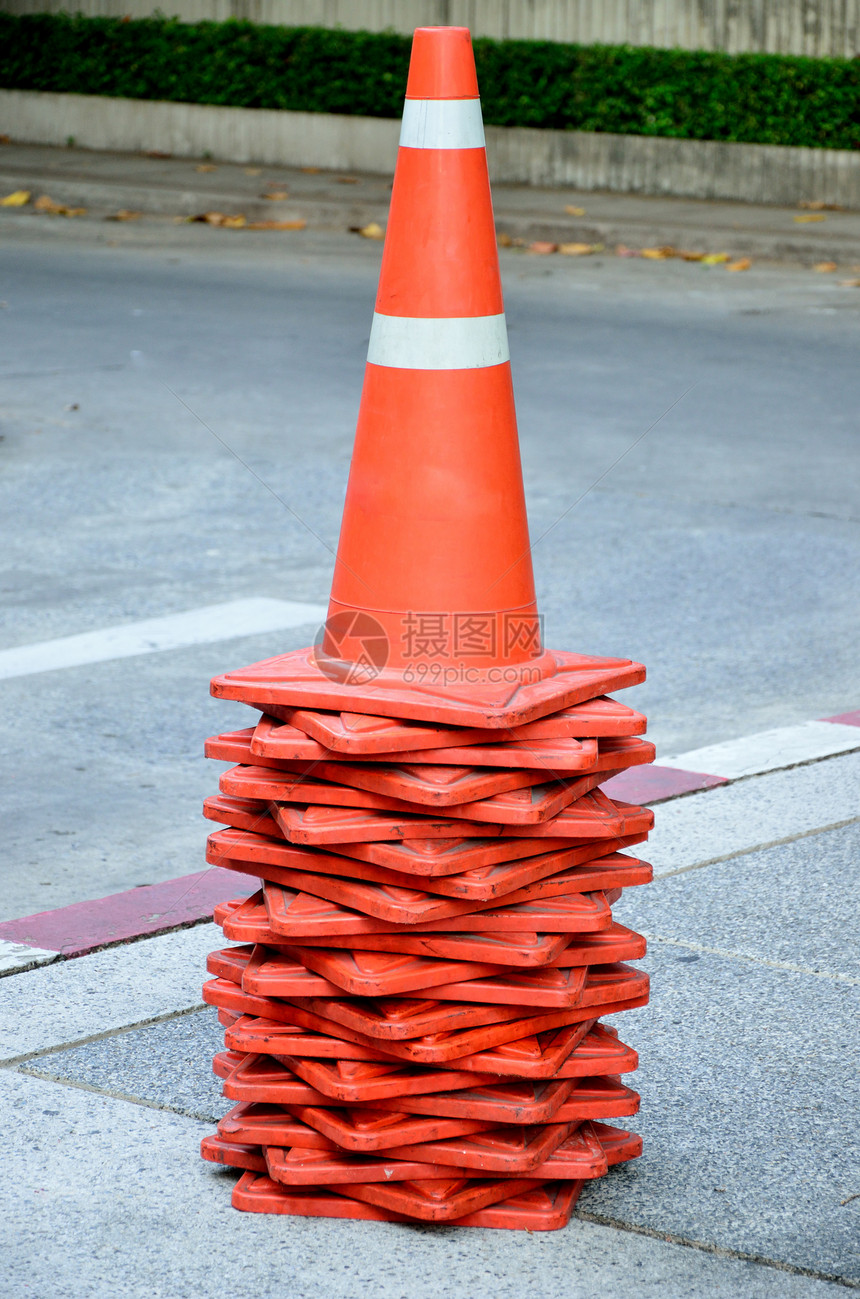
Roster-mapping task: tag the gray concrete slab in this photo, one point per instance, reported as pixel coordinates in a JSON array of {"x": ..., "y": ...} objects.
[
  {"x": 795, "y": 904},
  {"x": 749, "y": 1090},
  {"x": 165, "y": 1064},
  {"x": 749, "y": 1094},
  {"x": 71, "y": 1000},
  {"x": 103, "y": 1197}
]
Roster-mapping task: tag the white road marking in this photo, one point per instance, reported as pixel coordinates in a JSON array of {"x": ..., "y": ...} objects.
[
  {"x": 442, "y": 124},
  {"x": 768, "y": 750},
  {"x": 17, "y": 956},
  {"x": 213, "y": 622}
]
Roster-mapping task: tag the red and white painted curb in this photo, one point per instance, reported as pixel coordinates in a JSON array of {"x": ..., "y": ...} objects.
[
  {"x": 753, "y": 755},
  {"x": 190, "y": 899}
]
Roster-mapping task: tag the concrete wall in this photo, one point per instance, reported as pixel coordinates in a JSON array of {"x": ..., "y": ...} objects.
[
  {"x": 583, "y": 160},
  {"x": 816, "y": 27}
]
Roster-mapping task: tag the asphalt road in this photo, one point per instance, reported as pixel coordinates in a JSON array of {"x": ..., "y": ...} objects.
[{"x": 722, "y": 550}]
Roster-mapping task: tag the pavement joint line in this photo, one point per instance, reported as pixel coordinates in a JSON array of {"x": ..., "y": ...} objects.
[
  {"x": 208, "y": 1119},
  {"x": 12, "y": 1062},
  {"x": 604, "y": 1220},
  {"x": 759, "y": 847},
  {"x": 755, "y": 960}
]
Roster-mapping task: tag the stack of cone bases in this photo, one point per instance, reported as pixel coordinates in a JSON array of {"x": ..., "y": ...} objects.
[{"x": 412, "y": 999}]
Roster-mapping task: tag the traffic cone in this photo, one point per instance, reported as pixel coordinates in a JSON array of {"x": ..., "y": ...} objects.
[
  {"x": 433, "y": 585},
  {"x": 412, "y": 1012},
  {"x": 434, "y": 542}
]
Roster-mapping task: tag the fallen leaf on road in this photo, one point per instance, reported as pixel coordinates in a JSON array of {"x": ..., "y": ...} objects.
[
  {"x": 253, "y": 171},
  {"x": 276, "y": 225},
  {"x": 276, "y": 194},
  {"x": 18, "y": 198},
  {"x": 156, "y": 153},
  {"x": 5, "y": 139},
  {"x": 688, "y": 255},
  {"x": 504, "y": 241},
  {"x": 623, "y": 251},
  {"x": 715, "y": 259},
  {"x": 347, "y": 180},
  {"x": 371, "y": 231},
  {"x": 206, "y": 166},
  {"x": 658, "y": 254},
  {"x": 124, "y": 214},
  {"x": 542, "y": 247},
  {"x": 818, "y": 205},
  {"x": 220, "y": 219},
  {"x": 850, "y": 284},
  {"x": 805, "y": 220},
  {"x": 742, "y": 264},
  {"x": 310, "y": 171},
  {"x": 574, "y": 211},
  {"x": 45, "y": 204},
  {"x": 824, "y": 267},
  {"x": 580, "y": 250}
]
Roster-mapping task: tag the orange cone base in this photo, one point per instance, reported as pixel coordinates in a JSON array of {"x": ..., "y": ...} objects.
[
  {"x": 583, "y": 1050},
  {"x": 544, "y": 1208},
  {"x": 563, "y": 1151},
  {"x": 355, "y": 734},
  {"x": 544, "y": 685},
  {"x": 467, "y": 1143}
]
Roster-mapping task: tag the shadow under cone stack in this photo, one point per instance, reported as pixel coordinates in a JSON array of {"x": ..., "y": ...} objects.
[{"x": 413, "y": 1008}]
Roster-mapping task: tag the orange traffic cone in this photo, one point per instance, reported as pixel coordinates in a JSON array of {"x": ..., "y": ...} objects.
[
  {"x": 433, "y": 584},
  {"x": 434, "y": 542}
]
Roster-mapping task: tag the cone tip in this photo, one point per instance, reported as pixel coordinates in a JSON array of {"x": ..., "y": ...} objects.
[{"x": 442, "y": 64}]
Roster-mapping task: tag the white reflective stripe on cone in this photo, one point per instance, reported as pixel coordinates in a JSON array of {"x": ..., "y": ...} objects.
[
  {"x": 442, "y": 124},
  {"x": 438, "y": 343}
]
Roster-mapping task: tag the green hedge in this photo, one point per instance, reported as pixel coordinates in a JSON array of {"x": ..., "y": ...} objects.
[{"x": 757, "y": 98}]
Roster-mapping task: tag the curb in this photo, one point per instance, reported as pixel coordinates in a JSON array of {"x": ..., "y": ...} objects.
[
  {"x": 700, "y": 169},
  {"x": 188, "y": 900},
  {"x": 523, "y": 215}
]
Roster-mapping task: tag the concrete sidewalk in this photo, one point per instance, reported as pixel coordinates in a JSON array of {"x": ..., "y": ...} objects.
[
  {"x": 748, "y": 1185},
  {"x": 160, "y": 187}
]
